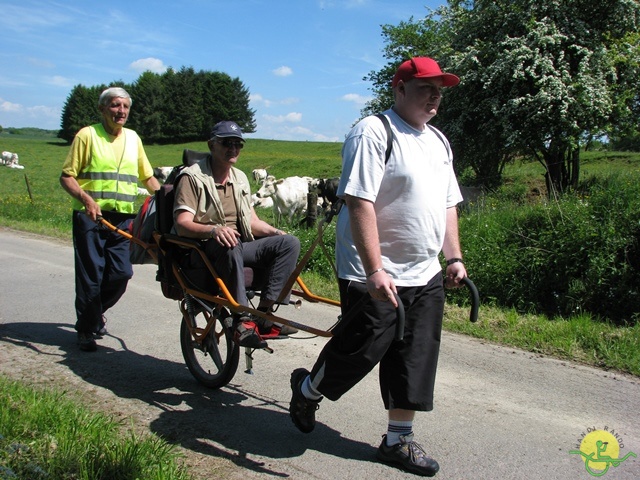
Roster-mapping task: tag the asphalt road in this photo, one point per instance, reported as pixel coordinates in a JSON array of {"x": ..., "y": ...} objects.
[{"x": 500, "y": 413}]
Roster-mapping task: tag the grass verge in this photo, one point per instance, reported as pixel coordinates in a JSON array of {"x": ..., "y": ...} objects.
[
  {"x": 44, "y": 435},
  {"x": 580, "y": 338}
]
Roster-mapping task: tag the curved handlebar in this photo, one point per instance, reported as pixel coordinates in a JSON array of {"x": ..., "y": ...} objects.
[
  {"x": 475, "y": 298},
  {"x": 400, "y": 320}
]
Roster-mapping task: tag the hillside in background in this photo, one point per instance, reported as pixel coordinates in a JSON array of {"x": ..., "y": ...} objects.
[{"x": 27, "y": 132}]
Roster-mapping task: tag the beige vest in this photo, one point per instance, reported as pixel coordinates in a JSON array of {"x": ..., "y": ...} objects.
[{"x": 209, "y": 208}]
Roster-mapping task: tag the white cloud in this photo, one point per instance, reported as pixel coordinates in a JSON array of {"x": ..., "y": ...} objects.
[
  {"x": 356, "y": 98},
  {"x": 152, "y": 64},
  {"x": 41, "y": 63},
  {"x": 10, "y": 107},
  {"x": 278, "y": 131},
  {"x": 293, "y": 117},
  {"x": 59, "y": 81},
  {"x": 283, "y": 71},
  {"x": 306, "y": 133},
  {"x": 17, "y": 115},
  {"x": 44, "y": 111},
  {"x": 289, "y": 101},
  {"x": 258, "y": 99}
]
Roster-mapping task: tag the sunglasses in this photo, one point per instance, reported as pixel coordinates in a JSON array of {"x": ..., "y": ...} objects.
[{"x": 230, "y": 143}]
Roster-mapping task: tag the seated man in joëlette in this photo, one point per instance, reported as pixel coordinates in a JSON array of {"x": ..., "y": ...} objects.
[{"x": 213, "y": 203}]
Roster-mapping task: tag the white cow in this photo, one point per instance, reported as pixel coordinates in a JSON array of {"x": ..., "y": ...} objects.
[
  {"x": 11, "y": 160},
  {"x": 259, "y": 175},
  {"x": 6, "y": 157},
  {"x": 258, "y": 202},
  {"x": 162, "y": 173},
  {"x": 289, "y": 196}
]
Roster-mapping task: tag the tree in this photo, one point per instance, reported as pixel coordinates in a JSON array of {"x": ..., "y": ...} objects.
[
  {"x": 182, "y": 105},
  {"x": 538, "y": 77},
  {"x": 80, "y": 110},
  {"x": 225, "y": 98},
  {"x": 625, "y": 129},
  {"x": 173, "y": 107},
  {"x": 245, "y": 116},
  {"x": 425, "y": 37},
  {"x": 148, "y": 116}
]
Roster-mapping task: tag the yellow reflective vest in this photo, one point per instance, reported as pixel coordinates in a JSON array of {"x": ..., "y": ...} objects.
[{"x": 111, "y": 175}]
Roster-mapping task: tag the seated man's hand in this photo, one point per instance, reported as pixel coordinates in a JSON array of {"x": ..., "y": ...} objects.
[{"x": 225, "y": 236}]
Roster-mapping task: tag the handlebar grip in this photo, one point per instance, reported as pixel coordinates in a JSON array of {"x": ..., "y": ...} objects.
[
  {"x": 475, "y": 299},
  {"x": 400, "y": 319}
]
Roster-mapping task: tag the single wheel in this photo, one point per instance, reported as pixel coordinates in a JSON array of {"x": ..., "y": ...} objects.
[{"x": 213, "y": 360}]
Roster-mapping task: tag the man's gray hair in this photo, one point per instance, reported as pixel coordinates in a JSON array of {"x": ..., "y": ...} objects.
[{"x": 113, "y": 92}]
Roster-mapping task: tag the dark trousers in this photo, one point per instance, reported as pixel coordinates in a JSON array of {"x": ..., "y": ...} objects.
[
  {"x": 102, "y": 267},
  {"x": 276, "y": 255},
  {"x": 407, "y": 367}
]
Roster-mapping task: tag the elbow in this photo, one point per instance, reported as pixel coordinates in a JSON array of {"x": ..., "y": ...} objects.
[{"x": 180, "y": 230}]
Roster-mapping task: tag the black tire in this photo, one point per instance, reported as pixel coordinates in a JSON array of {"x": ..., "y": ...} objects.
[{"x": 214, "y": 361}]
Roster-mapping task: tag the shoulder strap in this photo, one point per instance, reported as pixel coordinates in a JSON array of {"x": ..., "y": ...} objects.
[
  {"x": 442, "y": 139},
  {"x": 387, "y": 127}
]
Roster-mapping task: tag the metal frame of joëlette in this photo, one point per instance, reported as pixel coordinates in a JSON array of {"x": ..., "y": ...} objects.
[{"x": 226, "y": 299}]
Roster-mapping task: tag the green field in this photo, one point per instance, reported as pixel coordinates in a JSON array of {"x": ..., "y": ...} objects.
[{"x": 33, "y": 199}]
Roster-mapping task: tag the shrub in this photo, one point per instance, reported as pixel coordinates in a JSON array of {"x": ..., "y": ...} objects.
[{"x": 580, "y": 254}]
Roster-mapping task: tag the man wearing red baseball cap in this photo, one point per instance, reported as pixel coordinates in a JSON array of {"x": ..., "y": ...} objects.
[{"x": 400, "y": 214}]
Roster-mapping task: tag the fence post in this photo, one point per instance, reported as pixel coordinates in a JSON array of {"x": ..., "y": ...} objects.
[
  {"x": 312, "y": 209},
  {"x": 26, "y": 179}
]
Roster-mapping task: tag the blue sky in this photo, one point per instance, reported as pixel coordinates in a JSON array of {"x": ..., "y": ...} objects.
[{"x": 303, "y": 61}]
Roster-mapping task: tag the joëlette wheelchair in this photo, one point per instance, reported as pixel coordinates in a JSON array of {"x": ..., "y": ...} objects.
[{"x": 207, "y": 330}]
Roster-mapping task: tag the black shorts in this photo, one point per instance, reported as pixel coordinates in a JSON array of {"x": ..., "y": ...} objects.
[{"x": 407, "y": 367}]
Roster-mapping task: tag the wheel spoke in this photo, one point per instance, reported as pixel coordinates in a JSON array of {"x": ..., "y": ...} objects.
[{"x": 214, "y": 360}]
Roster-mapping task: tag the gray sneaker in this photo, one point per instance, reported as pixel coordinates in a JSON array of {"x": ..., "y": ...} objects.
[
  {"x": 102, "y": 329},
  {"x": 302, "y": 410},
  {"x": 408, "y": 455}
]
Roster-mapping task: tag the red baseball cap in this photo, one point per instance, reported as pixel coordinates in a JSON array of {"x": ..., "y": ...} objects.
[{"x": 423, "y": 67}]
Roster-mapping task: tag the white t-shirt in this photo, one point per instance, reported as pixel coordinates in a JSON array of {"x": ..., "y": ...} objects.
[{"x": 411, "y": 195}]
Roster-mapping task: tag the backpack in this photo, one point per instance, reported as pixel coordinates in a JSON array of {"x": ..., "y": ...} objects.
[
  {"x": 146, "y": 221},
  {"x": 385, "y": 121},
  {"x": 142, "y": 229},
  {"x": 163, "y": 224}
]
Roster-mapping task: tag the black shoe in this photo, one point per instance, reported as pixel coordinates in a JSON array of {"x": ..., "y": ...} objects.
[
  {"x": 246, "y": 334},
  {"x": 408, "y": 455},
  {"x": 86, "y": 342},
  {"x": 302, "y": 410}
]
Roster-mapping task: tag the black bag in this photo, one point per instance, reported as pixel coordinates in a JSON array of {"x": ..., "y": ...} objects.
[{"x": 163, "y": 224}]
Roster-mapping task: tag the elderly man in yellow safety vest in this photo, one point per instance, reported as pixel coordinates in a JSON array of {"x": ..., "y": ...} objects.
[{"x": 101, "y": 173}]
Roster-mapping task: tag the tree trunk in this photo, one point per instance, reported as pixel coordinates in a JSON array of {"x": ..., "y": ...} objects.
[
  {"x": 555, "y": 174},
  {"x": 563, "y": 169},
  {"x": 574, "y": 167}
]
